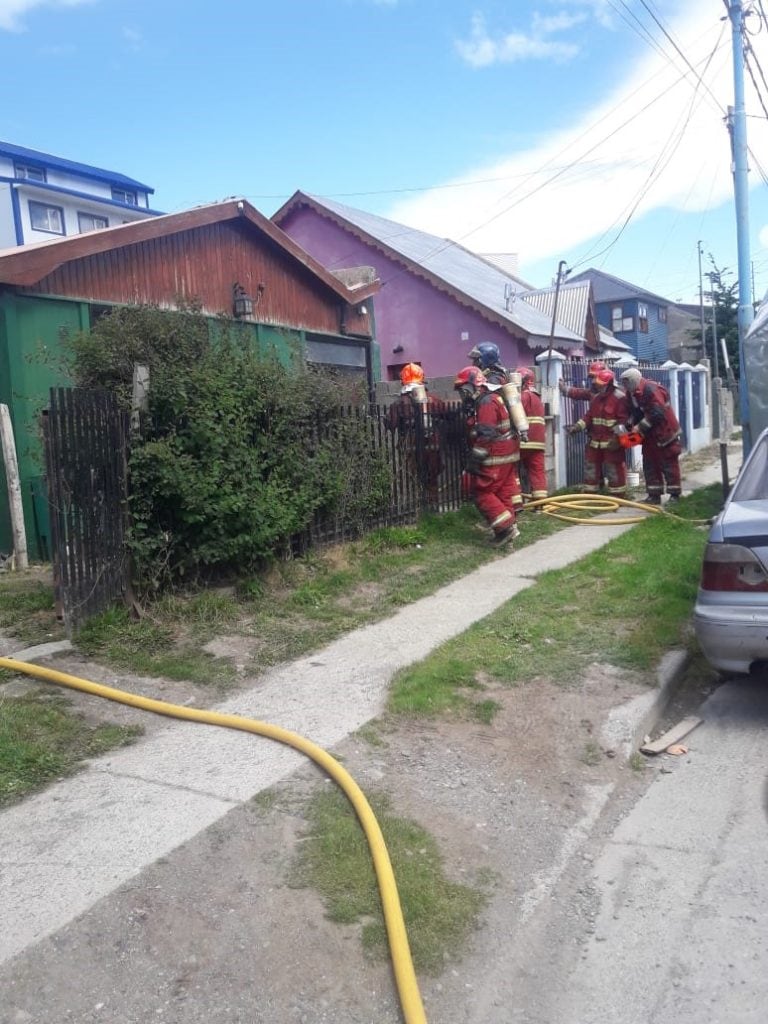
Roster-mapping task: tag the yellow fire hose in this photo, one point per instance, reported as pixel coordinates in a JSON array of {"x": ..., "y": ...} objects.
[
  {"x": 405, "y": 976},
  {"x": 597, "y": 504}
]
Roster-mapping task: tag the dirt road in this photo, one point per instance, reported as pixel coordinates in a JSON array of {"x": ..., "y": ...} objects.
[{"x": 214, "y": 933}]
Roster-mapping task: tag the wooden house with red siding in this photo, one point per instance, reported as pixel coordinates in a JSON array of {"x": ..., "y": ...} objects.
[{"x": 227, "y": 258}]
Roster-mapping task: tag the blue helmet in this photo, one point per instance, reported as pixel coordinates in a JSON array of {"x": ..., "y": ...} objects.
[{"x": 487, "y": 354}]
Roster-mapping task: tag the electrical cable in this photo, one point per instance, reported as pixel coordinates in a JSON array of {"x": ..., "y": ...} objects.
[
  {"x": 656, "y": 170},
  {"x": 749, "y": 51}
]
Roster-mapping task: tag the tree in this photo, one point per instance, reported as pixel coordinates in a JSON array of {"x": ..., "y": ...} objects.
[{"x": 722, "y": 311}]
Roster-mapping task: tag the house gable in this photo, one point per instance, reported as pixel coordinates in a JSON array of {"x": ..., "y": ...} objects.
[
  {"x": 634, "y": 315},
  {"x": 422, "y": 315},
  {"x": 197, "y": 256}
]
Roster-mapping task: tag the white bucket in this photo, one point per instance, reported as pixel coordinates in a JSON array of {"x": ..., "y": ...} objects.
[{"x": 633, "y": 479}]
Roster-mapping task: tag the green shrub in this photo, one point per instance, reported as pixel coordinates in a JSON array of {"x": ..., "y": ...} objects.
[{"x": 238, "y": 452}]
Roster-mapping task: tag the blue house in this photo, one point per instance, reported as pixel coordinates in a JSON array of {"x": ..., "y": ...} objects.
[
  {"x": 634, "y": 315},
  {"x": 43, "y": 196}
]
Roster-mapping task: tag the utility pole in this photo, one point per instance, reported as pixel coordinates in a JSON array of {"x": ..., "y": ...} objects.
[
  {"x": 562, "y": 273},
  {"x": 701, "y": 305},
  {"x": 737, "y": 128},
  {"x": 714, "y": 278}
]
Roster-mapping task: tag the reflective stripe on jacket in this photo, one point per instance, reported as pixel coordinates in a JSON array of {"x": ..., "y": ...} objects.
[
  {"x": 534, "y": 411},
  {"x": 607, "y": 410}
]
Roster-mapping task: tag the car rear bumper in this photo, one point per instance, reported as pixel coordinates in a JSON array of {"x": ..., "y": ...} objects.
[{"x": 732, "y": 639}]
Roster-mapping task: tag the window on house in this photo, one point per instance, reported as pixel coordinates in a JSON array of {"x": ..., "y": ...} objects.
[
  {"x": 90, "y": 222},
  {"x": 122, "y": 195},
  {"x": 619, "y": 322},
  {"x": 642, "y": 317},
  {"x": 96, "y": 311},
  {"x": 30, "y": 172},
  {"x": 46, "y": 218},
  {"x": 662, "y": 314}
]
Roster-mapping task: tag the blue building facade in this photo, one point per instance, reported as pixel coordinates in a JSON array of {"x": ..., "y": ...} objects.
[
  {"x": 43, "y": 196},
  {"x": 635, "y": 316}
]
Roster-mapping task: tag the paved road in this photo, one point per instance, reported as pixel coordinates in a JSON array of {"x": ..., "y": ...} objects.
[{"x": 682, "y": 930}]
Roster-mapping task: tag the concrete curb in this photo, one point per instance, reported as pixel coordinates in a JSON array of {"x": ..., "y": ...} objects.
[
  {"x": 669, "y": 673},
  {"x": 41, "y": 650}
]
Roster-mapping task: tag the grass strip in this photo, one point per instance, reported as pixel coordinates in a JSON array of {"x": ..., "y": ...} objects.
[
  {"x": 624, "y": 605},
  {"x": 335, "y": 859},
  {"x": 41, "y": 740}
]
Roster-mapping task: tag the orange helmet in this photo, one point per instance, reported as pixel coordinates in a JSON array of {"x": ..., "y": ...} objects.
[
  {"x": 595, "y": 368},
  {"x": 471, "y": 376},
  {"x": 604, "y": 377},
  {"x": 411, "y": 373},
  {"x": 527, "y": 376}
]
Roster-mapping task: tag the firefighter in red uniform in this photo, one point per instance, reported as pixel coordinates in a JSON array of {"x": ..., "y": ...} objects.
[
  {"x": 654, "y": 418},
  {"x": 494, "y": 452},
  {"x": 608, "y": 411},
  {"x": 532, "y": 450},
  {"x": 486, "y": 357},
  {"x": 583, "y": 394},
  {"x": 415, "y": 416}
]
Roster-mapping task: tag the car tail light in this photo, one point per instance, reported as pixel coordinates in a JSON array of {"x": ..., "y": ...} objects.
[{"x": 731, "y": 567}]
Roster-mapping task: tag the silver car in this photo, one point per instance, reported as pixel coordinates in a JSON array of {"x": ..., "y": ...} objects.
[{"x": 731, "y": 613}]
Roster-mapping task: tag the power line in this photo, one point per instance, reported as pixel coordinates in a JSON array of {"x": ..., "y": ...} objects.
[{"x": 655, "y": 171}]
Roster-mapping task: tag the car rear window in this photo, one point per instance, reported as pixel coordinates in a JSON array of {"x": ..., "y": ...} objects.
[{"x": 752, "y": 483}]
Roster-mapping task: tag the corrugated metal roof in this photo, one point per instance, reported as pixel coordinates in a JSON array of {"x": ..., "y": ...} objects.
[
  {"x": 572, "y": 304},
  {"x": 34, "y": 156},
  {"x": 609, "y": 340},
  {"x": 25, "y": 265},
  {"x": 466, "y": 274},
  {"x": 508, "y": 262}
]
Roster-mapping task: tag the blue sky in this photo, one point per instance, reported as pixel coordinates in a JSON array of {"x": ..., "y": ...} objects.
[{"x": 449, "y": 116}]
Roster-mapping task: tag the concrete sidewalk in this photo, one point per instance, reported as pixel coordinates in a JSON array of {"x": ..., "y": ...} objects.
[{"x": 73, "y": 844}]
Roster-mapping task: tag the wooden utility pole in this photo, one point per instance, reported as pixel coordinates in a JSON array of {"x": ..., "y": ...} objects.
[
  {"x": 14, "y": 489},
  {"x": 562, "y": 273}
]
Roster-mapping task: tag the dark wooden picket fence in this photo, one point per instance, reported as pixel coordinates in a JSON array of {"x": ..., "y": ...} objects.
[
  {"x": 86, "y": 447},
  {"x": 403, "y": 451},
  {"x": 85, "y": 452}
]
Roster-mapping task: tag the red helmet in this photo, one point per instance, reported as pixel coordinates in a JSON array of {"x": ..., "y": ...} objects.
[
  {"x": 595, "y": 368},
  {"x": 604, "y": 377},
  {"x": 411, "y": 373},
  {"x": 527, "y": 376},
  {"x": 472, "y": 376}
]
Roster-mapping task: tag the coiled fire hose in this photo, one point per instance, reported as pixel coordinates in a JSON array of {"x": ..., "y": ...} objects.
[
  {"x": 556, "y": 505},
  {"x": 402, "y": 964}
]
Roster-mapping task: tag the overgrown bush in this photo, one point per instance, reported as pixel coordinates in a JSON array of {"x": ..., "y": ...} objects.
[{"x": 237, "y": 453}]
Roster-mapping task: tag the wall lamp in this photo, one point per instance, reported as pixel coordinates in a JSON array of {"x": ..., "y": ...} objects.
[
  {"x": 398, "y": 348},
  {"x": 242, "y": 304}
]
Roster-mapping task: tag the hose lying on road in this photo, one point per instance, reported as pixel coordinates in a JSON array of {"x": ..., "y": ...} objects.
[
  {"x": 405, "y": 976},
  {"x": 597, "y": 503}
]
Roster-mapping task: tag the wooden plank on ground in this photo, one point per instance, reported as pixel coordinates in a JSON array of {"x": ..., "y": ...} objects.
[{"x": 673, "y": 735}]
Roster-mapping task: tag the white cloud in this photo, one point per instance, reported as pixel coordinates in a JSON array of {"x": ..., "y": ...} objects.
[
  {"x": 482, "y": 50},
  {"x": 545, "y": 25},
  {"x": 603, "y": 11},
  {"x": 612, "y": 161},
  {"x": 12, "y": 11}
]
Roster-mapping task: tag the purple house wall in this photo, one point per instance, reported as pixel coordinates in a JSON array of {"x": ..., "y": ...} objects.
[{"x": 419, "y": 317}]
